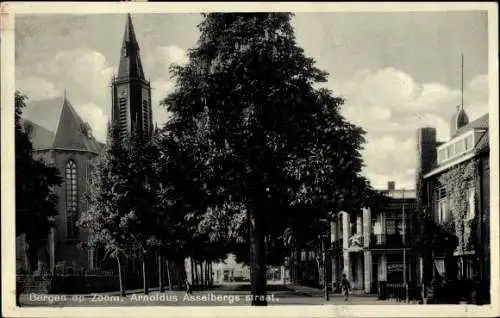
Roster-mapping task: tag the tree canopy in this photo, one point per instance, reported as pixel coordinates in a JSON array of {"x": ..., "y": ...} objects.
[
  {"x": 259, "y": 132},
  {"x": 35, "y": 187}
]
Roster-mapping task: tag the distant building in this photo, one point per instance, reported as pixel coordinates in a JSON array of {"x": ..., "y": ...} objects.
[
  {"x": 454, "y": 177},
  {"x": 369, "y": 247},
  {"x": 230, "y": 271}
]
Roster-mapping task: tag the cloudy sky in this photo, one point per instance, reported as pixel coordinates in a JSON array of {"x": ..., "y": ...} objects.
[{"x": 396, "y": 71}]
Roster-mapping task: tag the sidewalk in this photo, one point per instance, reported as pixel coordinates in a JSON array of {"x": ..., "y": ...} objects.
[{"x": 311, "y": 291}]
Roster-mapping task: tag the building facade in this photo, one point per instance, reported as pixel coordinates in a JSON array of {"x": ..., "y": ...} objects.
[
  {"x": 67, "y": 144},
  {"x": 373, "y": 246},
  {"x": 62, "y": 139},
  {"x": 455, "y": 196}
]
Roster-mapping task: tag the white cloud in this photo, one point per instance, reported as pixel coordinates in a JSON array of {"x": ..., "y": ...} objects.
[
  {"x": 37, "y": 88},
  {"x": 85, "y": 73},
  {"x": 159, "y": 61},
  {"x": 390, "y": 105},
  {"x": 161, "y": 88},
  {"x": 96, "y": 117}
]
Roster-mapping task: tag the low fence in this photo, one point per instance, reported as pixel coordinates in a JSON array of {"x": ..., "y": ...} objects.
[{"x": 399, "y": 291}]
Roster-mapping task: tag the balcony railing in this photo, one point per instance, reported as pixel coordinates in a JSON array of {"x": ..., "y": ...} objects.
[
  {"x": 356, "y": 241},
  {"x": 387, "y": 240}
]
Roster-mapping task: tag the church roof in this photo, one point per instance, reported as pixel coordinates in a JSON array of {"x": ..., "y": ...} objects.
[
  {"x": 54, "y": 124},
  {"x": 40, "y": 137},
  {"x": 130, "y": 61}
]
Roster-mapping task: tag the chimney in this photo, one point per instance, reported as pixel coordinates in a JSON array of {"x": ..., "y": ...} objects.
[
  {"x": 426, "y": 149},
  {"x": 426, "y": 158},
  {"x": 391, "y": 185}
]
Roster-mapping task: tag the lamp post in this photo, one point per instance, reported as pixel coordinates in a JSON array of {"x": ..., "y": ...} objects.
[
  {"x": 324, "y": 250},
  {"x": 325, "y": 280}
]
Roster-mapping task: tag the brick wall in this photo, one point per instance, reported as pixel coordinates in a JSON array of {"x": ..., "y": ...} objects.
[{"x": 67, "y": 250}]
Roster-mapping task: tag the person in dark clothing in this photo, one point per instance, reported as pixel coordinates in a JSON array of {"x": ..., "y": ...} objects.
[
  {"x": 345, "y": 286},
  {"x": 188, "y": 287}
]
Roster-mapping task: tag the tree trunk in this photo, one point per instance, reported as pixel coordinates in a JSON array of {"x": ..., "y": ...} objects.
[
  {"x": 211, "y": 275},
  {"x": 195, "y": 269},
  {"x": 168, "y": 275},
  {"x": 120, "y": 276},
  {"x": 207, "y": 277},
  {"x": 257, "y": 256},
  {"x": 203, "y": 273},
  {"x": 160, "y": 272},
  {"x": 180, "y": 275},
  {"x": 193, "y": 272},
  {"x": 200, "y": 272},
  {"x": 145, "y": 278},
  {"x": 30, "y": 254}
]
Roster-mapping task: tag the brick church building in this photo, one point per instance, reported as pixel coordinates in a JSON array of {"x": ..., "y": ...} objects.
[{"x": 64, "y": 140}]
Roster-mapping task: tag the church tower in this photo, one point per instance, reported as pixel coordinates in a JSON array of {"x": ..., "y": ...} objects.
[{"x": 130, "y": 91}]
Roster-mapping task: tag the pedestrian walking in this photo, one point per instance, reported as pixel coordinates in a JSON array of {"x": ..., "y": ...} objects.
[
  {"x": 345, "y": 285},
  {"x": 188, "y": 287}
]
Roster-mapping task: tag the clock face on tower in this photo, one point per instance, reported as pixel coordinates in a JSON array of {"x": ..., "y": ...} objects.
[{"x": 123, "y": 92}]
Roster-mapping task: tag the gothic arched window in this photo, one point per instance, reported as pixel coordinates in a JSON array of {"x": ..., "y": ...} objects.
[{"x": 71, "y": 200}]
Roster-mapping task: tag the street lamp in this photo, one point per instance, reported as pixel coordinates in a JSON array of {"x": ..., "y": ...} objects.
[
  {"x": 325, "y": 279},
  {"x": 324, "y": 250}
]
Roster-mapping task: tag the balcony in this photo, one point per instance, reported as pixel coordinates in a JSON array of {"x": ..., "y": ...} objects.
[
  {"x": 386, "y": 241},
  {"x": 355, "y": 243}
]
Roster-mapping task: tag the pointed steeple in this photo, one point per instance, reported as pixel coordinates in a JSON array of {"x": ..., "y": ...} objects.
[{"x": 130, "y": 60}]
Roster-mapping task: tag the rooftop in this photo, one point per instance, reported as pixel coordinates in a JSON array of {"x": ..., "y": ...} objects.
[
  {"x": 476, "y": 132},
  {"x": 55, "y": 124},
  {"x": 394, "y": 193}
]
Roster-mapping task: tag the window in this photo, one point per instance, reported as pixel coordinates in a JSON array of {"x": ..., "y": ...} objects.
[
  {"x": 455, "y": 149},
  {"x": 145, "y": 116},
  {"x": 465, "y": 268},
  {"x": 390, "y": 227},
  {"x": 450, "y": 151},
  {"x": 441, "y": 155},
  {"x": 377, "y": 227},
  {"x": 471, "y": 204},
  {"x": 460, "y": 147},
  {"x": 123, "y": 116},
  {"x": 468, "y": 143},
  {"x": 71, "y": 200},
  {"x": 441, "y": 204}
]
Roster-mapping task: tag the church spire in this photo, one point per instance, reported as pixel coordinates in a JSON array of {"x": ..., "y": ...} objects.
[
  {"x": 130, "y": 61},
  {"x": 131, "y": 93}
]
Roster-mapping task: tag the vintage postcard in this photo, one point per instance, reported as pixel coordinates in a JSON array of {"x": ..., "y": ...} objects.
[{"x": 249, "y": 159}]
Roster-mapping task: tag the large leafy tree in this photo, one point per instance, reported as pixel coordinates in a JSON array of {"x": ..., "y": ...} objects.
[
  {"x": 183, "y": 226},
  {"x": 110, "y": 218},
  {"x": 248, "y": 110},
  {"x": 35, "y": 183}
]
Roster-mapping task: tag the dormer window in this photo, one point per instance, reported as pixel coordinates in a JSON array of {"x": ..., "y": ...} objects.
[{"x": 455, "y": 147}]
